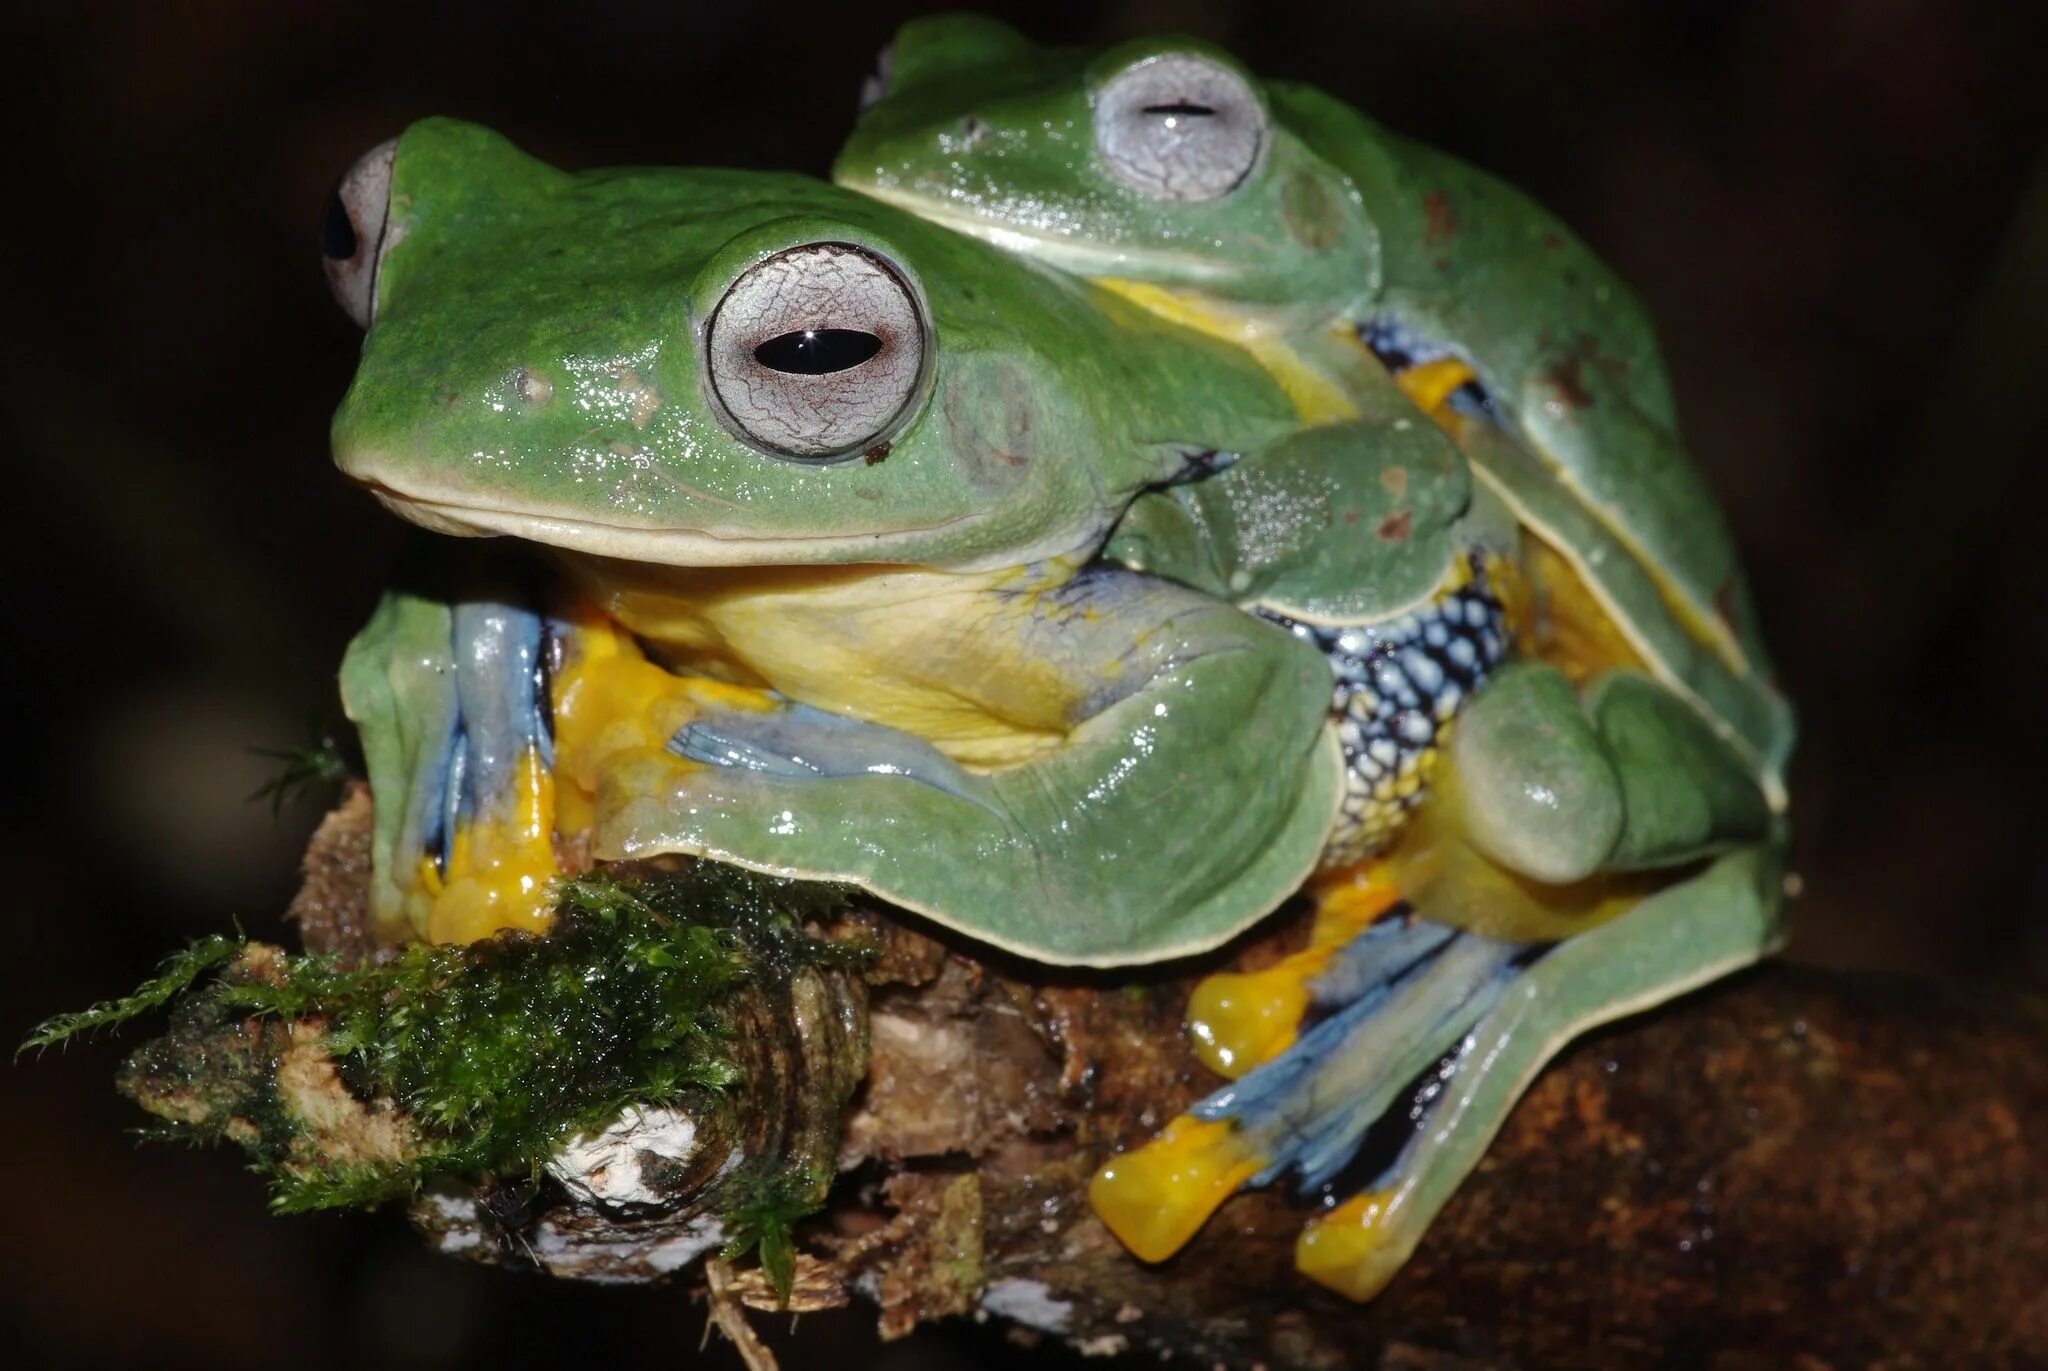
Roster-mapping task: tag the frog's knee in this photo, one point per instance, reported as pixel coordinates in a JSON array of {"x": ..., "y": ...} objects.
[{"x": 1535, "y": 788}]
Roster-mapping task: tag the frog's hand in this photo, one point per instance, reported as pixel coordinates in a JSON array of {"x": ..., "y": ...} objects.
[
  {"x": 398, "y": 684},
  {"x": 1344, "y": 521},
  {"x": 1192, "y": 792},
  {"x": 446, "y": 698}
]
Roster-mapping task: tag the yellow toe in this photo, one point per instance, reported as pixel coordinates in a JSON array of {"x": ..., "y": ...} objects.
[
  {"x": 1349, "y": 1249},
  {"x": 1241, "y": 1020},
  {"x": 1156, "y": 1197}
]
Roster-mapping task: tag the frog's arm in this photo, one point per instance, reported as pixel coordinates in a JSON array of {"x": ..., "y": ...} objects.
[
  {"x": 1192, "y": 792},
  {"x": 444, "y": 695},
  {"x": 398, "y": 686},
  {"x": 1338, "y": 522},
  {"x": 1476, "y": 270}
]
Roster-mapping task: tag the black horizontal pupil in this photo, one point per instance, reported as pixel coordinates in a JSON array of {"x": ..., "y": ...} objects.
[
  {"x": 338, "y": 231},
  {"x": 1186, "y": 107},
  {"x": 817, "y": 351}
]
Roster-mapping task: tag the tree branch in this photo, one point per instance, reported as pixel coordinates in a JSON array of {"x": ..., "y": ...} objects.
[{"x": 1791, "y": 1168}]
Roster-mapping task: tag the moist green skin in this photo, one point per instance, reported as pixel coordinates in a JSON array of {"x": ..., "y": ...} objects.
[
  {"x": 535, "y": 369},
  {"x": 1341, "y": 221},
  {"x": 535, "y": 354},
  {"x": 1338, "y": 225}
]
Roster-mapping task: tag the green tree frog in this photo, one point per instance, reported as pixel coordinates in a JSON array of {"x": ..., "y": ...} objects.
[
  {"x": 905, "y": 560},
  {"x": 1351, "y": 262}
]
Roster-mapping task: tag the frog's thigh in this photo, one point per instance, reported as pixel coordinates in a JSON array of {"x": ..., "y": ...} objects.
[{"x": 1681, "y": 937}]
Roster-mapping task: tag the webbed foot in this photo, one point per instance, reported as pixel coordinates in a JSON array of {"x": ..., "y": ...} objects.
[
  {"x": 449, "y": 699},
  {"x": 1242, "y": 1019},
  {"x": 1494, "y": 1012},
  {"x": 1405, "y": 995}
]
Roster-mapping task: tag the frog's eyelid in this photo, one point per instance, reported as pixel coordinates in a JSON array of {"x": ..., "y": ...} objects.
[
  {"x": 1179, "y": 127},
  {"x": 358, "y": 221}
]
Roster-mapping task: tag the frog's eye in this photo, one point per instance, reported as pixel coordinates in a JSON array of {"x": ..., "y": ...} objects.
[
  {"x": 352, "y": 238},
  {"x": 875, "y": 87},
  {"x": 817, "y": 352},
  {"x": 1179, "y": 127}
]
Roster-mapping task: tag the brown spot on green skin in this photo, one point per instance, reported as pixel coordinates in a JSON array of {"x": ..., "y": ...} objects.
[
  {"x": 1439, "y": 223},
  {"x": 1569, "y": 376},
  {"x": 1395, "y": 479},
  {"x": 1565, "y": 378},
  {"x": 1725, "y": 606},
  {"x": 875, "y": 455},
  {"x": 1395, "y": 528}
]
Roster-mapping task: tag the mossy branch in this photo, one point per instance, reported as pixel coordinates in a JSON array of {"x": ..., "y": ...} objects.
[{"x": 179, "y": 971}]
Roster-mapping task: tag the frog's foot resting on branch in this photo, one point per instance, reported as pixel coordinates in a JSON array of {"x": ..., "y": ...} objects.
[
  {"x": 1408, "y": 993},
  {"x": 1450, "y": 1027},
  {"x": 449, "y": 697}
]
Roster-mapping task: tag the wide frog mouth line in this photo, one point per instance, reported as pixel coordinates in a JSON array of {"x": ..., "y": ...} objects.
[
  {"x": 660, "y": 546},
  {"x": 1077, "y": 256}
]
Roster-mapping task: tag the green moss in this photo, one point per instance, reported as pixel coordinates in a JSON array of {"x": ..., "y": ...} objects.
[
  {"x": 321, "y": 761},
  {"x": 496, "y": 1051},
  {"x": 760, "y": 1216},
  {"x": 179, "y": 970}
]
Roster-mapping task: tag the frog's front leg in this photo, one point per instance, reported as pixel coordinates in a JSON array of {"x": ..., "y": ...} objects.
[
  {"x": 1190, "y": 791},
  {"x": 1343, "y": 521},
  {"x": 446, "y": 695},
  {"x": 1550, "y": 805}
]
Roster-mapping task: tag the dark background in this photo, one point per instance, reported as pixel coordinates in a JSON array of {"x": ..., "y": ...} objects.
[{"x": 1838, "y": 212}]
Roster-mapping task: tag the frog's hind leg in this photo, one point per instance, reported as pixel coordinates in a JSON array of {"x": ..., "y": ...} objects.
[
  {"x": 1238, "y": 1020},
  {"x": 1445, "y": 1028},
  {"x": 1409, "y": 992},
  {"x": 1681, "y": 937}
]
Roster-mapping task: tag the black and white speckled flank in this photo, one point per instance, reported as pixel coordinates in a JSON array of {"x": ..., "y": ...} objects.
[{"x": 1398, "y": 684}]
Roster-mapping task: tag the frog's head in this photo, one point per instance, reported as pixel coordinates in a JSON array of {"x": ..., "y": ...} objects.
[
  {"x": 1157, "y": 160},
  {"x": 716, "y": 368}
]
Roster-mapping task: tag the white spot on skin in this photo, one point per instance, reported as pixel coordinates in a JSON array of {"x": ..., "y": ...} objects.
[
  {"x": 1027, "y": 1302},
  {"x": 604, "y": 1168}
]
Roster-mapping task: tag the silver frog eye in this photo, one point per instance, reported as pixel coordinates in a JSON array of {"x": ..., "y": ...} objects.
[
  {"x": 1179, "y": 127},
  {"x": 874, "y": 88},
  {"x": 352, "y": 238},
  {"x": 817, "y": 352}
]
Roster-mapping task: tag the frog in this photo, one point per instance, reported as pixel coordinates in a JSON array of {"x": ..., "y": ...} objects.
[
  {"x": 843, "y": 472},
  {"x": 1272, "y": 214},
  {"x": 1371, "y": 274},
  {"x": 841, "y": 494}
]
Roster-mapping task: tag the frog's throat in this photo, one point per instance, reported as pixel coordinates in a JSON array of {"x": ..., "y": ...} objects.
[
  {"x": 698, "y": 548},
  {"x": 1076, "y": 256}
]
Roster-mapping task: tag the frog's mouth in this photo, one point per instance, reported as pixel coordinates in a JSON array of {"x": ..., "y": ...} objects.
[
  {"x": 663, "y": 546},
  {"x": 1076, "y": 256}
]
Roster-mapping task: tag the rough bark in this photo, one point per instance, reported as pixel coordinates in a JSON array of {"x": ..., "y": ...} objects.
[{"x": 1792, "y": 1168}]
